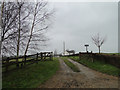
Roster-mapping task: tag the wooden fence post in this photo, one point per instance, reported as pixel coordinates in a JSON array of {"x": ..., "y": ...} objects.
[
  {"x": 79, "y": 55},
  {"x": 51, "y": 58},
  {"x": 37, "y": 58},
  {"x": 41, "y": 55},
  {"x": 52, "y": 55},
  {"x": 22, "y": 64},
  {"x": 25, "y": 60},
  {"x": 7, "y": 64},
  {"x": 44, "y": 56},
  {"x": 17, "y": 63},
  {"x": 92, "y": 57}
]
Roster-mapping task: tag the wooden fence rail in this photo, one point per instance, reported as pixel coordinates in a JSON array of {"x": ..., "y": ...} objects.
[{"x": 26, "y": 60}]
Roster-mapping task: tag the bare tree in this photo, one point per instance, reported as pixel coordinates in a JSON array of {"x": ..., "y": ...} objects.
[
  {"x": 40, "y": 17},
  {"x": 15, "y": 27},
  {"x": 98, "y": 41},
  {"x": 8, "y": 22},
  {"x": 24, "y": 26},
  {"x": 20, "y": 4}
]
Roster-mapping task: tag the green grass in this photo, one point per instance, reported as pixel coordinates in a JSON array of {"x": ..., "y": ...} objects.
[
  {"x": 99, "y": 66},
  {"x": 71, "y": 65},
  {"x": 31, "y": 76}
]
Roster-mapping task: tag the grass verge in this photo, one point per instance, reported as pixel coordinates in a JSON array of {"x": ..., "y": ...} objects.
[
  {"x": 71, "y": 65},
  {"x": 31, "y": 76},
  {"x": 99, "y": 66}
]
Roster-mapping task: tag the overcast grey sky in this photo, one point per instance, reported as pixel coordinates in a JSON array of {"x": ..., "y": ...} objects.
[{"x": 76, "y": 22}]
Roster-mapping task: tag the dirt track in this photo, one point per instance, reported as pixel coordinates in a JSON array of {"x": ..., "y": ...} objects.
[{"x": 86, "y": 78}]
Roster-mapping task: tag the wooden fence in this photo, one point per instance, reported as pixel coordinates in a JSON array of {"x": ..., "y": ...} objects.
[
  {"x": 26, "y": 60},
  {"x": 111, "y": 59}
]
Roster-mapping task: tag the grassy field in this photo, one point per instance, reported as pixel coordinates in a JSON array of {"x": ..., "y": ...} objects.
[
  {"x": 98, "y": 65},
  {"x": 71, "y": 65},
  {"x": 31, "y": 76}
]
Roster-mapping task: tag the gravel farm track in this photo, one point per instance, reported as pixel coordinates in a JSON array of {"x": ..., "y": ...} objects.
[{"x": 86, "y": 78}]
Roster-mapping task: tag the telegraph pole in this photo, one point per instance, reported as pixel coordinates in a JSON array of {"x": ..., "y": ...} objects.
[{"x": 64, "y": 47}]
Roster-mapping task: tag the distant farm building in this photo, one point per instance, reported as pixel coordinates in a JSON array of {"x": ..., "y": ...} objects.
[{"x": 69, "y": 52}]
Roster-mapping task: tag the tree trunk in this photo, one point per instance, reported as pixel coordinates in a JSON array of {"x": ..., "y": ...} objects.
[
  {"x": 86, "y": 49},
  {"x": 99, "y": 49},
  {"x": 30, "y": 36},
  {"x": 1, "y": 29},
  {"x": 1, "y": 24},
  {"x": 31, "y": 32},
  {"x": 18, "y": 42}
]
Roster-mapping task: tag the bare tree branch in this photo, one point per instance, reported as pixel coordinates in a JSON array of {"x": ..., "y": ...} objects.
[{"x": 98, "y": 41}]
